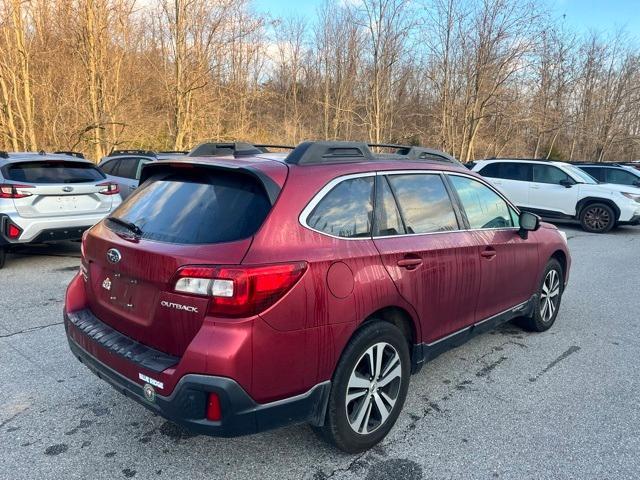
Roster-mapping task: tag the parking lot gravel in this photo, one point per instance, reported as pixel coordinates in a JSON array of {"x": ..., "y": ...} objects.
[{"x": 508, "y": 404}]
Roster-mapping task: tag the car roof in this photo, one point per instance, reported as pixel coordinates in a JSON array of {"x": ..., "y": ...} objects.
[
  {"x": 16, "y": 157},
  {"x": 539, "y": 161}
]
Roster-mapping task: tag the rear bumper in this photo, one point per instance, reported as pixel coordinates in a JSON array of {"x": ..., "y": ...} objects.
[
  {"x": 187, "y": 403},
  {"x": 42, "y": 230}
]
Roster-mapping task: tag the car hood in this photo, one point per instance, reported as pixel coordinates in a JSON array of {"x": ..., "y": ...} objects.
[{"x": 610, "y": 188}]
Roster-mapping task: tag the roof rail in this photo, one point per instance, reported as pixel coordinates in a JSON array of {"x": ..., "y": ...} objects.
[
  {"x": 265, "y": 147},
  {"x": 338, "y": 151},
  {"x": 70, "y": 153},
  {"x": 329, "y": 152},
  {"x": 4, "y": 154},
  {"x": 215, "y": 149},
  {"x": 117, "y": 153},
  {"x": 174, "y": 151}
]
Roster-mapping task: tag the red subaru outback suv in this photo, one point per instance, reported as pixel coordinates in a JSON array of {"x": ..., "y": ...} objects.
[{"x": 237, "y": 294}]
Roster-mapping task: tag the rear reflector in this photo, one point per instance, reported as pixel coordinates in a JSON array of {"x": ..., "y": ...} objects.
[
  {"x": 109, "y": 188},
  {"x": 14, "y": 191},
  {"x": 239, "y": 291},
  {"x": 13, "y": 232},
  {"x": 214, "y": 412}
]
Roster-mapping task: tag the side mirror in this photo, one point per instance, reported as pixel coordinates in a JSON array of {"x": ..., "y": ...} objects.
[
  {"x": 636, "y": 183},
  {"x": 529, "y": 222},
  {"x": 566, "y": 183}
]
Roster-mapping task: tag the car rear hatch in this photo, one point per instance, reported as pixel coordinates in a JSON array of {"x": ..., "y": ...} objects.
[
  {"x": 58, "y": 188},
  {"x": 186, "y": 215}
]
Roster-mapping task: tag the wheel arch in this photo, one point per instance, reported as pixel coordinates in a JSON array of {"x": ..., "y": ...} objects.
[
  {"x": 584, "y": 202},
  {"x": 396, "y": 315},
  {"x": 561, "y": 257}
]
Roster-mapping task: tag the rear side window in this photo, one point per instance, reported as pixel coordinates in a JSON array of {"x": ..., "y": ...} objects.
[
  {"x": 508, "y": 171},
  {"x": 346, "y": 211},
  {"x": 424, "y": 203},
  {"x": 202, "y": 208},
  {"x": 484, "y": 207},
  {"x": 127, "y": 168},
  {"x": 52, "y": 172},
  {"x": 595, "y": 172},
  {"x": 110, "y": 167}
]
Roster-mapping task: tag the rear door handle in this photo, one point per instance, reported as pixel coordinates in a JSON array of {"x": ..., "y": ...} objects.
[
  {"x": 410, "y": 263},
  {"x": 488, "y": 253}
]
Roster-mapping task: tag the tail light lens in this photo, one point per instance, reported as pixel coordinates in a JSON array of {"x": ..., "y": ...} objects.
[
  {"x": 239, "y": 291},
  {"x": 13, "y": 231},
  {"x": 214, "y": 412},
  {"x": 109, "y": 188},
  {"x": 14, "y": 191}
]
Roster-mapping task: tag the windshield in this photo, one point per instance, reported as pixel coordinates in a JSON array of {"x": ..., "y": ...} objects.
[{"x": 583, "y": 176}]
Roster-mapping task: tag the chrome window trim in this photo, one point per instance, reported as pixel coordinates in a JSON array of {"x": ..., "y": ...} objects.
[
  {"x": 317, "y": 198},
  {"x": 302, "y": 218}
]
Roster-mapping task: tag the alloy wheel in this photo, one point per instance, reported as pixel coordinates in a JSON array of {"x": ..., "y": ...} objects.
[
  {"x": 550, "y": 295},
  {"x": 597, "y": 218},
  {"x": 373, "y": 388}
]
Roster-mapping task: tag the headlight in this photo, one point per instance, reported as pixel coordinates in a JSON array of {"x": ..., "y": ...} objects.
[{"x": 632, "y": 196}]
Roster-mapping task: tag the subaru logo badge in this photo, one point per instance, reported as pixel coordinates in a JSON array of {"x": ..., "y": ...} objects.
[
  {"x": 67, "y": 189},
  {"x": 149, "y": 393},
  {"x": 113, "y": 255}
]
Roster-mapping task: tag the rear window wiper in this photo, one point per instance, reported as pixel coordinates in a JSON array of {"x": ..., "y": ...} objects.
[{"x": 129, "y": 225}]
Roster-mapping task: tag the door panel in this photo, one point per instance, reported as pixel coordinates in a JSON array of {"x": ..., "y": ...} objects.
[
  {"x": 440, "y": 278},
  {"x": 508, "y": 276},
  {"x": 546, "y": 193},
  {"x": 435, "y": 267},
  {"x": 507, "y": 262}
]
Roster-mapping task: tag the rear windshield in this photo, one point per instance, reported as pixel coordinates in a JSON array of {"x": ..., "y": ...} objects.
[
  {"x": 49, "y": 171},
  {"x": 212, "y": 207}
]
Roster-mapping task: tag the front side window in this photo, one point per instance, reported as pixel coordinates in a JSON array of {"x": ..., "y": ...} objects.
[
  {"x": 550, "y": 174},
  {"x": 424, "y": 203},
  {"x": 346, "y": 211},
  {"x": 615, "y": 175},
  {"x": 484, "y": 207}
]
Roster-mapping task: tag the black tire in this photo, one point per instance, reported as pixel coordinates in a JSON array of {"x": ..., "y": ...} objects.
[
  {"x": 364, "y": 346},
  {"x": 3, "y": 256},
  {"x": 597, "y": 218},
  {"x": 540, "y": 320}
]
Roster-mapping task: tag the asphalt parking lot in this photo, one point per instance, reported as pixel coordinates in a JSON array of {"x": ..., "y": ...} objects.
[{"x": 508, "y": 404}]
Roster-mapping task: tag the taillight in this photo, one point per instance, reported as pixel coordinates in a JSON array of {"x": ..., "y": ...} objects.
[
  {"x": 214, "y": 412},
  {"x": 109, "y": 188},
  {"x": 13, "y": 231},
  {"x": 239, "y": 291},
  {"x": 14, "y": 191}
]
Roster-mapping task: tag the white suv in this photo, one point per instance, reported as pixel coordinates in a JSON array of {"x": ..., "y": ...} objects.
[
  {"x": 562, "y": 191},
  {"x": 50, "y": 197}
]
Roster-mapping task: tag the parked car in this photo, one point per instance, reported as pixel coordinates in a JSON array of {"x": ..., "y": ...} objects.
[
  {"x": 561, "y": 191},
  {"x": 46, "y": 197},
  {"x": 123, "y": 167},
  {"x": 612, "y": 173},
  {"x": 235, "y": 295}
]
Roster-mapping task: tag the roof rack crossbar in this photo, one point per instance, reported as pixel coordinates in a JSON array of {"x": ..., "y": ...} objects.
[
  {"x": 70, "y": 153},
  {"x": 116, "y": 153}
]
